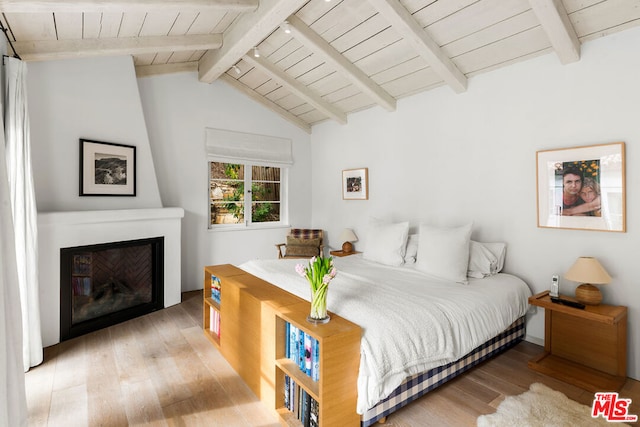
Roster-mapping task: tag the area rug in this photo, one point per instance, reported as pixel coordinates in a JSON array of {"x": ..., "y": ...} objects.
[{"x": 541, "y": 406}]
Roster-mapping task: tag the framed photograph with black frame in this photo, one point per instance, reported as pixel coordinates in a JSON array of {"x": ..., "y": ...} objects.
[
  {"x": 355, "y": 185},
  {"x": 107, "y": 169},
  {"x": 582, "y": 188}
]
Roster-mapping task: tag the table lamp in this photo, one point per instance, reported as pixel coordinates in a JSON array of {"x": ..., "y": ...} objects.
[
  {"x": 348, "y": 236},
  {"x": 588, "y": 271}
]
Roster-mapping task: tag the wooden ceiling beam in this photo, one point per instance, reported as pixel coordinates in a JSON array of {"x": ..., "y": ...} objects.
[
  {"x": 86, "y": 6},
  {"x": 158, "y": 69},
  {"x": 311, "y": 40},
  {"x": 45, "y": 50},
  {"x": 248, "y": 31},
  {"x": 266, "y": 103},
  {"x": 407, "y": 27},
  {"x": 297, "y": 88},
  {"x": 555, "y": 21}
]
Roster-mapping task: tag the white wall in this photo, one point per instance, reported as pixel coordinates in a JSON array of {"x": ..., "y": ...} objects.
[
  {"x": 446, "y": 159},
  {"x": 178, "y": 108},
  {"x": 94, "y": 99}
]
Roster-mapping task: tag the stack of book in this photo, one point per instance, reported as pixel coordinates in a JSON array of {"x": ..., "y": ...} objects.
[
  {"x": 303, "y": 349},
  {"x": 300, "y": 403},
  {"x": 215, "y": 289}
]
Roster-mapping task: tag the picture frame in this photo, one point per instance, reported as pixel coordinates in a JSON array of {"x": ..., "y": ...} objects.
[
  {"x": 582, "y": 188},
  {"x": 107, "y": 169},
  {"x": 355, "y": 184}
]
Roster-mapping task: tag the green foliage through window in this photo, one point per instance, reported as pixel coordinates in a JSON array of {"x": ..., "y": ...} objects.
[{"x": 228, "y": 182}]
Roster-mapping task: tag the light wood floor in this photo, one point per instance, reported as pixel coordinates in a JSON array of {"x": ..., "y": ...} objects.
[{"x": 159, "y": 369}]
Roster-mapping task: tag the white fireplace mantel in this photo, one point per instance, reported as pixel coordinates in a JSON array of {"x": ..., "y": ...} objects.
[{"x": 58, "y": 230}]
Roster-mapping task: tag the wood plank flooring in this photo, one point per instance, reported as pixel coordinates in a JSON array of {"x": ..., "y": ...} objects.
[{"x": 160, "y": 370}]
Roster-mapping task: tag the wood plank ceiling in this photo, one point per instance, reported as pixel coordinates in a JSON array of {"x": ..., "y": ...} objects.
[{"x": 319, "y": 59}]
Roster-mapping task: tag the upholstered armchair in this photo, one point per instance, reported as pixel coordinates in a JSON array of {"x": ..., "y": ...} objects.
[{"x": 301, "y": 243}]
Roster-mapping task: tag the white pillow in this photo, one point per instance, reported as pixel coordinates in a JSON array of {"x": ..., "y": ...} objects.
[
  {"x": 482, "y": 262},
  {"x": 498, "y": 249},
  {"x": 444, "y": 252},
  {"x": 386, "y": 243},
  {"x": 412, "y": 249}
]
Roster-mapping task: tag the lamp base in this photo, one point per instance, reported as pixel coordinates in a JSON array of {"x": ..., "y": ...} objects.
[
  {"x": 347, "y": 247},
  {"x": 588, "y": 294}
]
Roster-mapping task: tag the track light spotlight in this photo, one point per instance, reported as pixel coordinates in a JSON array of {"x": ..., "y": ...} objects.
[
  {"x": 236, "y": 69},
  {"x": 285, "y": 27},
  {"x": 256, "y": 52}
]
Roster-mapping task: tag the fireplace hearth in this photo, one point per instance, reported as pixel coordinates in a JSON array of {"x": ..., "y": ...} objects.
[{"x": 105, "y": 284}]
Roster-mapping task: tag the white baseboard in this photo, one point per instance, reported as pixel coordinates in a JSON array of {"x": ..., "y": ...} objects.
[{"x": 534, "y": 340}]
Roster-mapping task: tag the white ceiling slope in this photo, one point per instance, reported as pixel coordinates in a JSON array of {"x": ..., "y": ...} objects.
[{"x": 334, "y": 58}]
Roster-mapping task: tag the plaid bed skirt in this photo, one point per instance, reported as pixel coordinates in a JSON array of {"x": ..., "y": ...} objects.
[{"x": 420, "y": 384}]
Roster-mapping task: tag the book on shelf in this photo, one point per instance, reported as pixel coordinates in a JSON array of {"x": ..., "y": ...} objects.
[
  {"x": 293, "y": 342},
  {"x": 215, "y": 289},
  {"x": 286, "y": 340},
  {"x": 287, "y": 380},
  {"x": 315, "y": 360},
  {"x": 307, "y": 353},
  {"x": 301, "y": 349},
  {"x": 306, "y": 407},
  {"x": 313, "y": 414}
]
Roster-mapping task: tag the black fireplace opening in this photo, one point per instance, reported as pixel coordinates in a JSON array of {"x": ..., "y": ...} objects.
[{"x": 105, "y": 284}]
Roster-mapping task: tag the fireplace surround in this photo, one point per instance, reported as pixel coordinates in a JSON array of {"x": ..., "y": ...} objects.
[{"x": 58, "y": 230}]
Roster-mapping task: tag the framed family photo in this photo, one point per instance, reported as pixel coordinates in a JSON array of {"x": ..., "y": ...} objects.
[
  {"x": 107, "y": 169},
  {"x": 582, "y": 187},
  {"x": 355, "y": 184}
]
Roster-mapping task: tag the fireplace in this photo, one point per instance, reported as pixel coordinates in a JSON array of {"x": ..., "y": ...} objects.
[{"x": 109, "y": 283}]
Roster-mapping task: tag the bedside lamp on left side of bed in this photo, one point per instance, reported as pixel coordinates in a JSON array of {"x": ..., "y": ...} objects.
[
  {"x": 588, "y": 271},
  {"x": 348, "y": 236}
]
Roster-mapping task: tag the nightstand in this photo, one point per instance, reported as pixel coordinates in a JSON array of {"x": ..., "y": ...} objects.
[
  {"x": 584, "y": 347},
  {"x": 342, "y": 253}
]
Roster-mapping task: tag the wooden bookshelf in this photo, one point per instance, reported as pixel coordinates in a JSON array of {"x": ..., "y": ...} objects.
[
  {"x": 253, "y": 316},
  {"x": 335, "y": 390}
]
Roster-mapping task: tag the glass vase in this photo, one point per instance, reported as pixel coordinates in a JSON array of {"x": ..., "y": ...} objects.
[{"x": 318, "y": 314}]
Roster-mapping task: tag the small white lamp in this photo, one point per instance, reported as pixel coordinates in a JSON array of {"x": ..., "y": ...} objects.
[
  {"x": 588, "y": 271},
  {"x": 348, "y": 236}
]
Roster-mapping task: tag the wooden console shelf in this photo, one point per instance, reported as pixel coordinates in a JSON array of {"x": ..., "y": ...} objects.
[
  {"x": 253, "y": 317},
  {"x": 584, "y": 347}
]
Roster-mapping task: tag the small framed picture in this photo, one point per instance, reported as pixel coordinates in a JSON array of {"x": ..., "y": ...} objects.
[
  {"x": 582, "y": 187},
  {"x": 355, "y": 185},
  {"x": 107, "y": 169}
]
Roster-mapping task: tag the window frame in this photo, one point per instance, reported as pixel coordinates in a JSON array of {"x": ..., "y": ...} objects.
[{"x": 248, "y": 223}]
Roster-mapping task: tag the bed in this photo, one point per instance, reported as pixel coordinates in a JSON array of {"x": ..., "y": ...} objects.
[{"x": 419, "y": 329}]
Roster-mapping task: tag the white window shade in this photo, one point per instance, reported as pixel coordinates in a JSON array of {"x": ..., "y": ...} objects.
[{"x": 235, "y": 147}]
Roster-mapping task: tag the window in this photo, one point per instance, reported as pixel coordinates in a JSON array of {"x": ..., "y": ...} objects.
[
  {"x": 247, "y": 178},
  {"x": 244, "y": 194}
]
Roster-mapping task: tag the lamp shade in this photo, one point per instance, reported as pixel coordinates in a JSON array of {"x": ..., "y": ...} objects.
[
  {"x": 348, "y": 235},
  {"x": 588, "y": 270}
]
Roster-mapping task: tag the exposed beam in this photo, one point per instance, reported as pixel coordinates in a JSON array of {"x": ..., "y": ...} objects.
[
  {"x": 248, "y": 31},
  {"x": 555, "y": 21},
  {"x": 63, "y": 49},
  {"x": 267, "y": 103},
  {"x": 154, "y": 70},
  {"x": 71, "y": 6},
  {"x": 321, "y": 47},
  {"x": 402, "y": 21},
  {"x": 297, "y": 88}
]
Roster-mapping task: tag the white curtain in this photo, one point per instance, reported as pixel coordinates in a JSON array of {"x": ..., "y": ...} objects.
[
  {"x": 13, "y": 404},
  {"x": 23, "y": 205}
]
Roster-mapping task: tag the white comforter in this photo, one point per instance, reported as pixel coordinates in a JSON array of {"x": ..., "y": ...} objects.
[{"x": 411, "y": 322}]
